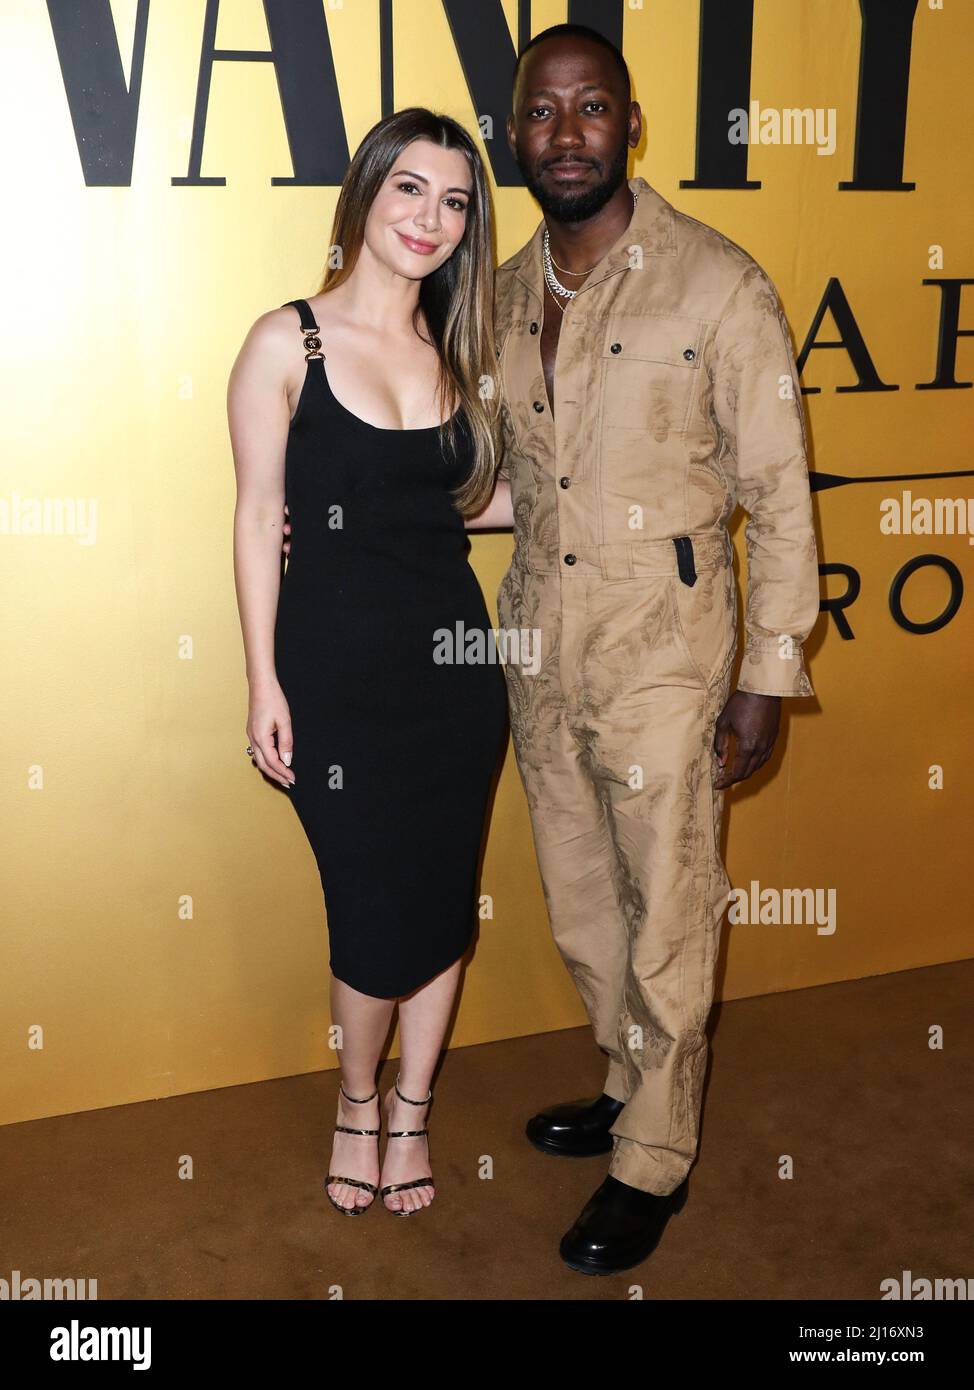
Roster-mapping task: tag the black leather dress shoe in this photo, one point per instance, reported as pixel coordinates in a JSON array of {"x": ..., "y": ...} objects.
[
  {"x": 619, "y": 1227},
  {"x": 578, "y": 1128}
]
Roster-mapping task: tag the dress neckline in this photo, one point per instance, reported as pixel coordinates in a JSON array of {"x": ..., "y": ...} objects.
[
  {"x": 379, "y": 429},
  {"x": 312, "y": 342}
]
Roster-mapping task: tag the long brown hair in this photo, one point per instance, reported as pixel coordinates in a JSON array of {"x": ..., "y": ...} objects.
[{"x": 455, "y": 300}]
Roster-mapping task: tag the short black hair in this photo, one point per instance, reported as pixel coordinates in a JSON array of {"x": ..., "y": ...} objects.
[{"x": 576, "y": 31}]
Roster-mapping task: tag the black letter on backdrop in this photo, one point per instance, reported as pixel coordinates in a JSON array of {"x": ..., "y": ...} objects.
[
  {"x": 947, "y": 338},
  {"x": 920, "y": 562},
  {"x": 723, "y": 85},
  {"x": 483, "y": 44},
  {"x": 884, "y": 81},
  {"x": 602, "y": 15},
  {"x": 851, "y": 342},
  {"x": 301, "y": 53},
  {"x": 387, "y": 84},
  {"x": 104, "y": 112},
  {"x": 836, "y": 605}
]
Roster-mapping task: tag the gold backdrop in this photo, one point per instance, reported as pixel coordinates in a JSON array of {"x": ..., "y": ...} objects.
[{"x": 164, "y": 928}]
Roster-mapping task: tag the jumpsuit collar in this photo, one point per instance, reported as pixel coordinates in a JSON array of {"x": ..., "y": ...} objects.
[{"x": 652, "y": 227}]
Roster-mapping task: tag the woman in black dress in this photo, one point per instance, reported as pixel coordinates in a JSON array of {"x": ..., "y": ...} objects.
[{"x": 364, "y": 410}]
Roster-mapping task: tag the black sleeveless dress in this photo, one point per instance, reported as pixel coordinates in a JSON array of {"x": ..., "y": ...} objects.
[{"x": 393, "y": 750}]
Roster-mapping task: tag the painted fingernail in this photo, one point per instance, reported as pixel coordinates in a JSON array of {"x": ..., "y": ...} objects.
[{"x": 286, "y": 759}]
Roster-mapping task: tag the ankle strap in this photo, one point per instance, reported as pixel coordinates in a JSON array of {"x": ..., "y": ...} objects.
[
  {"x": 352, "y": 1098},
  {"x": 406, "y": 1098}
]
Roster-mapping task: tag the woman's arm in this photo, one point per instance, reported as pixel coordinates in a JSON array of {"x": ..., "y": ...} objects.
[
  {"x": 258, "y": 415},
  {"x": 498, "y": 513}
]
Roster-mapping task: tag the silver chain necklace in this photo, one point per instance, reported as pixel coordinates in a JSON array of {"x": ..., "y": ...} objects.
[{"x": 551, "y": 279}]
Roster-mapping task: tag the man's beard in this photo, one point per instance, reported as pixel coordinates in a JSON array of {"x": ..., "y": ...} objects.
[{"x": 572, "y": 206}]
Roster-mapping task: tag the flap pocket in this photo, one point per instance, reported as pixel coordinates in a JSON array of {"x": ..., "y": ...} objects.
[
  {"x": 650, "y": 372},
  {"x": 670, "y": 338}
]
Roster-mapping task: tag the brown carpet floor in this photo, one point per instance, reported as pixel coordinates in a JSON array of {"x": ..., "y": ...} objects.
[{"x": 840, "y": 1078}]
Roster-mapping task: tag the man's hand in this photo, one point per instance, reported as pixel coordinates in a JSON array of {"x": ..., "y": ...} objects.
[
  {"x": 753, "y": 720},
  {"x": 287, "y": 531}
]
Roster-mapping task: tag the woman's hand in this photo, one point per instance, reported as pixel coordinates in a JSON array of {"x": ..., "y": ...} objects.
[
  {"x": 287, "y": 532},
  {"x": 269, "y": 714}
]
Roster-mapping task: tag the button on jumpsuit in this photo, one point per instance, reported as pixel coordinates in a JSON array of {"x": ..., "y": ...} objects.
[{"x": 676, "y": 397}]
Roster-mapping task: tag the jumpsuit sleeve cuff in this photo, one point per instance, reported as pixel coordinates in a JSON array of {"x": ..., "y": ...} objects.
[{"x": 768, "y": 670}]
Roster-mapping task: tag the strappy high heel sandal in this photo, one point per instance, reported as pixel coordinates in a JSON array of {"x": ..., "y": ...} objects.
[
  {"x": 406, "y": 1134},
  {"x": 354, "y": 1209}
]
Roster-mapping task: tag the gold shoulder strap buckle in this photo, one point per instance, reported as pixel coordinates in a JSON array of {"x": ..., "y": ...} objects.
[{"x": 312, "y": 344}]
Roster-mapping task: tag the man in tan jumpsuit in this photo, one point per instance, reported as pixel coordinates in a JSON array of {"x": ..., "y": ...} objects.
[{"x": 675, "y": 397}]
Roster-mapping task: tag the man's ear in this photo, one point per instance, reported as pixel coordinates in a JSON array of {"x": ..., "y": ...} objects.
[
  {"x": 635, "y": 124},
  {"x": 511, "y": 141}
]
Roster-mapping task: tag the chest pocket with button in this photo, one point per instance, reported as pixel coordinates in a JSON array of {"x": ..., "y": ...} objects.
[{"x": 651, "y": 366}]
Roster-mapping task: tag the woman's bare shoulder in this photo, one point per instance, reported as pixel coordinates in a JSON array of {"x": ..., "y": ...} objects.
[
  {"x": 271, "y": 354},
  {"x": 274, "y": 338},
  {"x": 279, "y": 326}
]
